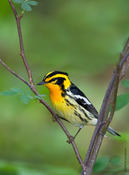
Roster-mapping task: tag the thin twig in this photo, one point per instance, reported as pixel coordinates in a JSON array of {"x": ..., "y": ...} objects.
[
  {"x": 14, "y": 73},
  {"x": 100, "y": 129},
  {"x": 22, "y": 53},
  {"x": 125, "y": 66},
  {"x": 51, "y": 111},
  {"x": 114, "y": 95},
  {"x": 97, "y": 137},
  {"x": 32, "y": 87}
]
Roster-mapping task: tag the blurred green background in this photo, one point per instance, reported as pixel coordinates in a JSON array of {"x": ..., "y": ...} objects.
[{"x": 83, "y": 38}]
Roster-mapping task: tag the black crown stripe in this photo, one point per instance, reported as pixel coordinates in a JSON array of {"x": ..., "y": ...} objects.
[{"x": 54, "y": 73}]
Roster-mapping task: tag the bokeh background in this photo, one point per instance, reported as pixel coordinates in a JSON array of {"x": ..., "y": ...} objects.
[{"x": 83, "y": 38}]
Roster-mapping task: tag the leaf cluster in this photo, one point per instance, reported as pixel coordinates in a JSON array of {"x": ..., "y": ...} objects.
[
  {"x": 25, "y": 96},
  {"x": 26, "y": 4}
]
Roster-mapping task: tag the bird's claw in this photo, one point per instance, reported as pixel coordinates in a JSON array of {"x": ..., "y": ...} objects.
[{"x": 70, "y": 140}]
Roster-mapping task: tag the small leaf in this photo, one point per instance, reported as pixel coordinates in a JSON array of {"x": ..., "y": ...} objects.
[
  {"x": 34, "y": 3},
  {"x": 125, "y": 83},
  {"x": 122, "y": 100},
  {"x": 18, "y": 1},
  {"x": 25, "y": 99},
  {"x": 12, "y": 91},
  {"x": 8, "y": 93},
  {"x": 25, "y": 6},
  {"x": 101, "y": 164},
  {"x": 39, "y": 97},
  {"x": 25, "y": 96},
  {"x": 17, "y": 90},
  {"x": 115, "y": 161}
]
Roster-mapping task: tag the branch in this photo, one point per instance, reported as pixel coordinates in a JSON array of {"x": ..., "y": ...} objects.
[
  {"x": 103, "y": 120},
  {"x": 125, "y": 67},
  {"x": 22, "y": 53},
  {"x": 51, "y": 111},
  {"x": 14, "y": 73},
  {"x": 32, "y": 87}
]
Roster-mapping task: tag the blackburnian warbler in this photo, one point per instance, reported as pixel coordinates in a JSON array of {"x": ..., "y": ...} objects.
[{"x": 69, "y": 101}]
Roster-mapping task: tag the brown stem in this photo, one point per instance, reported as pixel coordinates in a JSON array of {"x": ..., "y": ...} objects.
[
  {"x": 14, "y": 73},
  {"x": 51, "y": 111},
  {"x": 110, "y": 97},
  {"x": 22, "y": 53},
  {"x": 32, "y": 87}
]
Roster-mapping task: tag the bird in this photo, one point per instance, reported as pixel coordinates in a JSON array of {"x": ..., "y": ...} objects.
[{"x": 69, "y": 102}]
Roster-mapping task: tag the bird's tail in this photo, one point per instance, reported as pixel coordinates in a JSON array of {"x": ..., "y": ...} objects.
[{"x": 112, "y": 131}]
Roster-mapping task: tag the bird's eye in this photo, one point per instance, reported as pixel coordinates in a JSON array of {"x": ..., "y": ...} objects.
[{"x": 60, "y": 81}]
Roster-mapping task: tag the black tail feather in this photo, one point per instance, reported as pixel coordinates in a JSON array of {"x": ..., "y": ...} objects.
[{"x": 113, "y": 132}]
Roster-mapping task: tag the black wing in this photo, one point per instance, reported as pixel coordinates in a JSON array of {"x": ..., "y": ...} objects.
[{"x": 82, "y": 100}]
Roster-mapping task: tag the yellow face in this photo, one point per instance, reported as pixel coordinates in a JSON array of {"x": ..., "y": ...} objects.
[{"x": 56, "y": 81}]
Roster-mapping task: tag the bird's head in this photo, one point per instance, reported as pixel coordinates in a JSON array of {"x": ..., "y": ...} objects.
[{"x": 56, "y": 80}]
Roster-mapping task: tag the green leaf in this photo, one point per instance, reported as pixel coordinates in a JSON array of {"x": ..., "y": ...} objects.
[
  {"x": 25, "y": 6},
  {"x": 17, "y": 90},
  {"x": 12, "y": 91},
  {"x": 8, "y": 93},
  {"x": 101, "y": 164},
  {"x": 122, "y": 100},
  {"x": 34, "y": 3},
  {"x": 25, "y": 99},
  {"x": 125, "y": 83},
  {"x": 115, "y": 161},
  {"x": 39, "y": 97},
  {"x": 18, "y": 1},
  {"x": 25, "y": 96}
]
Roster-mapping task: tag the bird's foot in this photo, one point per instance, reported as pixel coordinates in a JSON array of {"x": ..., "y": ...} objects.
[
  {"x": 70, "y": 140},
  {"x": 101, "y": 133}
]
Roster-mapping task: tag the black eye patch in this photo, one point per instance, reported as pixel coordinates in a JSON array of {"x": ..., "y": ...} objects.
[{"x": 58, "y": 80}]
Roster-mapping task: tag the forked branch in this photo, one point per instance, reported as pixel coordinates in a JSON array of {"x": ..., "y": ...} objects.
[
  {"x": 30, "y": 84},
  {"x": 105, "y": 116}
]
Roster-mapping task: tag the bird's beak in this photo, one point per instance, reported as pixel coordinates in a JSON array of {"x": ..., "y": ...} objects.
[{"x": 41, "y": 83}]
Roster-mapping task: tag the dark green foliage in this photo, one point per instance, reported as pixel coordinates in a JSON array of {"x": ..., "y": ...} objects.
[
  {"x": 122, "y": 101},
  {"x": 101, "y": 164},
  {"x": 8, "y": 170},
  {"x": 115, "y": 161}
]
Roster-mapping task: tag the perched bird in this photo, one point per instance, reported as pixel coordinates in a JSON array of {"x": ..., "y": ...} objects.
[{"x": 69, "y": 101}]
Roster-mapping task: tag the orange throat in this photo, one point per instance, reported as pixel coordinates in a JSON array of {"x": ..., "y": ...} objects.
[{"x": 55, "y": 93}]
